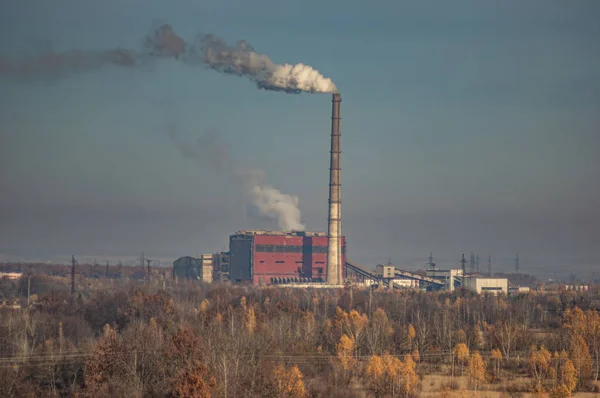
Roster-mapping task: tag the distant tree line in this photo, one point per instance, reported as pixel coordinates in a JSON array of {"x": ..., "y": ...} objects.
[{"x": 129, "y": 338}]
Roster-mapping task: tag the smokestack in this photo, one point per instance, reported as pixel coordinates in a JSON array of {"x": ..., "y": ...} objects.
[{"x": 334, "y": 251}]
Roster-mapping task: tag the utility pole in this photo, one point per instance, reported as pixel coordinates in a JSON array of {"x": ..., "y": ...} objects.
[
  {"x": 490, "y": 265},
  {"x": 517, "y": 263},
  {"x": 463, "y": 262},
  {"x": 72, "y": 276},
  {"x": 28, "y": 288}
]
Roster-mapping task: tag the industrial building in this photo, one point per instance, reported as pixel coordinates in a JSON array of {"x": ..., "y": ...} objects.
[
  {"x": 486, "y": 285},
  {"x": 272, "y": 257},
  {"x": 200, "y": 269},
  {"x": 221, "y": 267},
  {"x": 452, "y": 278}
]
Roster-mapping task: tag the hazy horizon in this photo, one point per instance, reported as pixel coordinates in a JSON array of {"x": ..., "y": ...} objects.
[{"x": 466, "y": 127}]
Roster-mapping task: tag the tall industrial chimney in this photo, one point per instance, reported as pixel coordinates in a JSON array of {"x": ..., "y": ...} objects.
[{"x": 334, "y": 251}]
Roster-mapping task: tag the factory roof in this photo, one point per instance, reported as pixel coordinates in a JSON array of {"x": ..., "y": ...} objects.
[{"x": 279, "y": 233}]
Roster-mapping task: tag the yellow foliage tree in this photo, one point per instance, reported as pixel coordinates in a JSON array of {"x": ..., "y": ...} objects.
[
  {"x": 388, "y": 375},
  {"x": 409, "y": 380},
  {"x": 250, "y": 319},
  {"x": 560, "y": 391},
  {"x": 357, "y": 326},
  {"x": 204, "y": 306},
  {"x": 416, "y": 356},
  {"x": 289, "y": 382},
  {"x": 497, "y": 357},
  {"x": 477, "y": 369},
  {"x": 345, "y": 352},
  {"x": 461, "y": 352},
  {"x": 374, "y": 376},
  {"x": 411, "y": 334},
  {"x": 540, "y": 362},
  {"x": 569, "y": 376},
  {"x": 580, "y": 354}
]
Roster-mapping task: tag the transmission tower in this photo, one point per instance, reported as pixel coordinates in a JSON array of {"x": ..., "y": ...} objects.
[
  {"x": 148, "y": 262},
  {"x": 490, "y": 265},
  {"x": 517, "y": 263},
  {"x": 472, "y": 262},
  {"x": 477, "y": 262},
  {"x": 431, "y": 264}
]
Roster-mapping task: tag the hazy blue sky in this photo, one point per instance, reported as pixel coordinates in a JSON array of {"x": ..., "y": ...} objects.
[{"x": 466, "y": 126}]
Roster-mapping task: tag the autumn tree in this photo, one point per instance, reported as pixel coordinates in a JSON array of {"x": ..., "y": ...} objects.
[
  {"x": 580, "y": 355},
  {"x": 476, "y": 369},
  {"x": 409, "y": 379},
  {"x": 345, "y": 353},
  {"x": 411, "y": 334},
  {"x": 374, "y": 376},
  {"x": 587, "y": 325},
  {"x": 105, "y": 363},
  {"x": 388, "y": 375},
  {"x": 461, "y": 353},
  {"x": 193, "y": 381},
  {"x": 289, "y": 382},
  {"x": 496, "y": 357},
  {"x": 379, "y": 331},
  {"x": 505, "y": 333},
  {"x": 540, "y": 361}
]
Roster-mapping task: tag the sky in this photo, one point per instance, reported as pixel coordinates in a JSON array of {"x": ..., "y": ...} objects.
[{"x": 467, "y": 126}]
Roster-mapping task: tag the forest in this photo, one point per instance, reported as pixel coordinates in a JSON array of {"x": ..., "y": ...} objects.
[{"x": 126, "y": 337}]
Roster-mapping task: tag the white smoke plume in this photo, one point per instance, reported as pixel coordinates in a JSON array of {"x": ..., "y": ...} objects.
[
  {"x": 242, "y": 60},
  {"x": 210, "y": 151}
]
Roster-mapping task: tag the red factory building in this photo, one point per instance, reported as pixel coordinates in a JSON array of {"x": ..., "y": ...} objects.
[{"x": 266, "y": 257}]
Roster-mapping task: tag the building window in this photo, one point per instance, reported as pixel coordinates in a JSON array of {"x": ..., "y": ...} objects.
[
  {"x": 279, "y": 262},
  {"x": 491, "y": 288}
]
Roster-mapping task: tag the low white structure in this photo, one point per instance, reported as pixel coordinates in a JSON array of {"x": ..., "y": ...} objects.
[
  {"x": 486, "y": 285},
  {"x": 519, "y": 290},
  {"x": 11, "y": 275},
  {"x": 406, "y": 283},
  {"x": 577, "y": 288},
  {"x": 448, "y": 276}
]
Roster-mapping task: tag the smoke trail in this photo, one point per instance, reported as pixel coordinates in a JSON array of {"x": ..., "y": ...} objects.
[
  {"x": 161, "y": 42},
  {"x": 210, "y": 151},
  {"x": 242, "y": 60}
]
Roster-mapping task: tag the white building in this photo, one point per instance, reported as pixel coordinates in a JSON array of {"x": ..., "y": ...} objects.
[
  {"x": 406, "y": 283},
  {"x": 486, "y": 285},
  {"x": 11, "y": 275},
  {"x": 207, "y": 268},
  {"x": 519, "y": 290},
  {"x": 448, "y": 276},
  {"x": 385, "y": 271}
]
